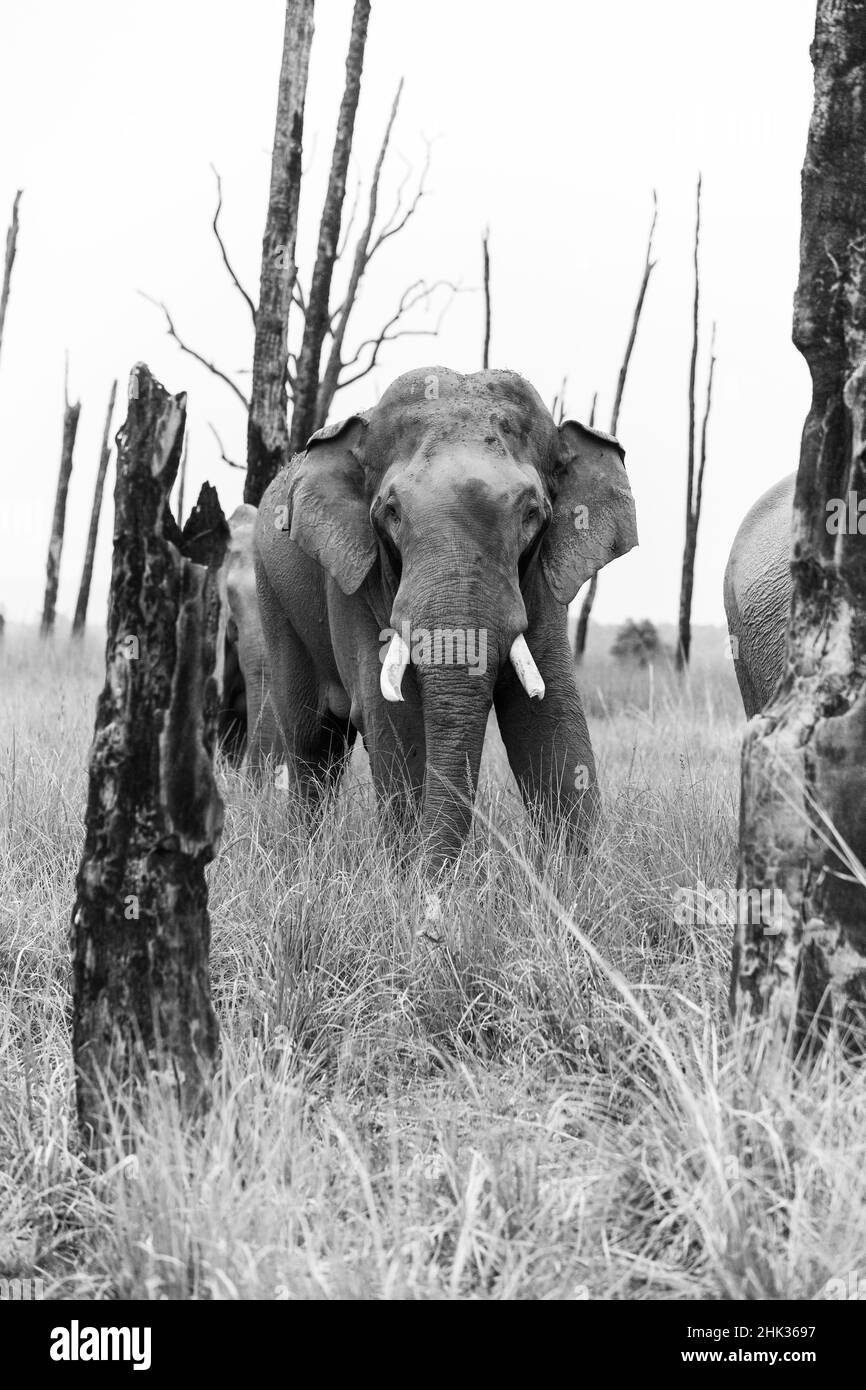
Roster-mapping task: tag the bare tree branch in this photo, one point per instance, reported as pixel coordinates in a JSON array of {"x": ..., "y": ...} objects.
[
  {"x": 647, "y": 272},
  {"x": 557, "y": 405},
  {"x": 191, "y": 352},
  {"x": 330, "y": 379},
  {"x": 419, "y": 292},
  {"x": 687, "y": 578},
  {"x": 223, "y": 455},
  {"x": 699, "y": 493},
  {"x": 226, "y": 262},
  {"x": 649, "y": 265},
  {"x": 400, "y": 216},
  {"x": 80, "y": 619},
  {"x": 347, "y": 230}
]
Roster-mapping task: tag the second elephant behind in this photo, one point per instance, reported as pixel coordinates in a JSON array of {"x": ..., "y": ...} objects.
[{"x": 758, "y": 593}]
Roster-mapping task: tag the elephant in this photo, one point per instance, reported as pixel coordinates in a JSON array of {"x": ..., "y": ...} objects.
[
  {"x": 414, "y": 565},
  {"x": 757, "y": 591},
  {"x": 246, "y": 679}
]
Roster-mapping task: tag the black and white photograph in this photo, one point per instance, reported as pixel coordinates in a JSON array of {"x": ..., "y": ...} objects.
[{"x": 433, "y": 669}]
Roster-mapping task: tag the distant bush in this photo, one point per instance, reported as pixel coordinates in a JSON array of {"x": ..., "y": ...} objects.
[{"x": 638, "y": 643}]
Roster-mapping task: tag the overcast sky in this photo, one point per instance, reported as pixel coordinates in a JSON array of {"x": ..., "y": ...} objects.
[{"x": 550, "y": 122}]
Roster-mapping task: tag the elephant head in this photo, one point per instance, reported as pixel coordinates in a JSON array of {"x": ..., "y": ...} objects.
[{"x": 470, "y": 518}]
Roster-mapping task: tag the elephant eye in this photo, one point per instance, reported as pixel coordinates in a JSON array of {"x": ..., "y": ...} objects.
[
  {"x": 389, "y": 514},
  {"x": 531, "y": 515}
]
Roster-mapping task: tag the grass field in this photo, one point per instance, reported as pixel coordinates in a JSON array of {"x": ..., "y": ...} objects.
[{"x": 549, "y": 1103}]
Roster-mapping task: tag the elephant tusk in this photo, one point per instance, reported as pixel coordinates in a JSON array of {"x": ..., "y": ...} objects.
[
  {"x": 527, "y": 671},
  {"x": 395, "y": 663}
]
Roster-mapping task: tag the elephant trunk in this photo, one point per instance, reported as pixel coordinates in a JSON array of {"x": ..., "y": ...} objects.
[
  {"x": 457, "y": 629},
  {"x": 456, "y": 706}
]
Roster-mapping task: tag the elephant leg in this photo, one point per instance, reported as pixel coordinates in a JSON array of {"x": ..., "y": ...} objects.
[
  {"x": 394, "y": 739},
  {"x": 289, "y": 727},
  {"x": 547, "y": 742},
  {"x": 327, "y": 762}
]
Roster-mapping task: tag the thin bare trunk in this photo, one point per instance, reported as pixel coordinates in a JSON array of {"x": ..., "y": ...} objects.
[
  {"x": 267, "y": 428},
  {"x": 690, "y": 545},
  {"x": 58, "y": 521},
  {"x": 11, "y": 246},
  {"x": 331, "y": 376},
  {"x": 140, "y": 989},
  {"x": 485, "y": 245},
  {"x": 800, "y": 947},
  {"x": 80, "y": 618},
  {"x": 306, "y": 388},
  {"x": 649, "y": 264}
]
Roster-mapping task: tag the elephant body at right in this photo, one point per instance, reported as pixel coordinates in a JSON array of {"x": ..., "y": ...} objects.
[{"x": 758, "y": 593}]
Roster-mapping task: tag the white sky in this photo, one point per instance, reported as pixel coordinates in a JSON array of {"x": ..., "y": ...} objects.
[{"x": 552, "y": 122}]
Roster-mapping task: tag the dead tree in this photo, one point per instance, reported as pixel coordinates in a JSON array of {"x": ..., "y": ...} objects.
[
  {"x": 277, "y": 372},
  {"x": 141, "y": 993},
  {"x": 317, "y": 313},
  {"x": 695, "y": 477},
  {"x": 9, "y": 261},
  {"x": 485, "y": 250},
  {"x": 267, "y": 428},
  {"x": 649, "y": 265},
  {"x": 58, "y": 521},
  {"x": 800, "y": 952},
  {"x": 80, "y": 618}
]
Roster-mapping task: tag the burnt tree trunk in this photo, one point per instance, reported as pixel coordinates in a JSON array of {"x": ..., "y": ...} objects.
[
  {"x": 9, "y": 261},
  {"x": 649, "y": 265},
  {"x": 58, "y": 521},
  {"x": 80, "y": 618},
  {"x": 306, "y": 389},
  {"x": 267, "y": 427},
  {"x": 801, "y": 958},
  {"x": 141, "y": 932}
]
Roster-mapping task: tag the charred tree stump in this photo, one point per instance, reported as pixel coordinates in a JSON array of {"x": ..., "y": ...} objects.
[
  {"x": 141, "y": 932},
  {"x": 80, "y": 618},
  {"x": 267, "y": 425},
  {"x": 800, "y": 952},
  {"x": 58, "y": 521}
]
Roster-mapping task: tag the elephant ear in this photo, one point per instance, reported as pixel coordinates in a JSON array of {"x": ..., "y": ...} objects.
[
  {"x": 328, "y": 512},
  {"x": 593, "y": 511}
]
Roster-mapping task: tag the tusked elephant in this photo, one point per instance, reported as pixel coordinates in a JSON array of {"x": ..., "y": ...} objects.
[
  {"x": 413, "y": 567},
  {"x": 758, "y": 593}
]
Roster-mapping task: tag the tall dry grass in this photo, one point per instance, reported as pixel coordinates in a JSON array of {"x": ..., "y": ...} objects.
[{"x": 548, "y": 1103}]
